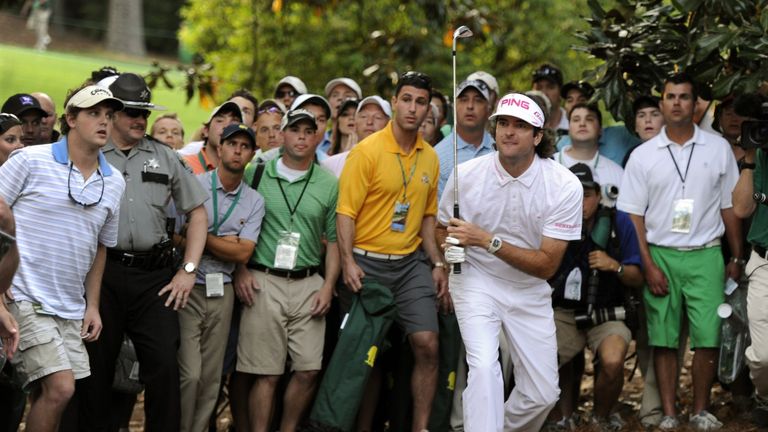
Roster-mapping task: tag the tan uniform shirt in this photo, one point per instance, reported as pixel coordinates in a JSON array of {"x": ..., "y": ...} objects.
[{"x": 154, "y": 174}]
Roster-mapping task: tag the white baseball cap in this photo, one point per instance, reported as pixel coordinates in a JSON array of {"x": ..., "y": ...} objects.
[
  {"x": 92, "y": 96},
  {"x": 522, "y": 107},
  {"x": 377, "y": 100},
  {"x": 349, "y": 82},
  {"x": 485, "y": 77},
  {"x": 317, "y": 99},
  {"x": 294, "y": 82}
]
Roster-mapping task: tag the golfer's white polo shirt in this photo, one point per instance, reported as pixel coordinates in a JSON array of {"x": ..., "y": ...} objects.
[
  {"x": 546, "y": 200},
  {"x": 606, "y": 172},
  {"x": 652, "y": 184},
  {"x": 58, "y": 238}
]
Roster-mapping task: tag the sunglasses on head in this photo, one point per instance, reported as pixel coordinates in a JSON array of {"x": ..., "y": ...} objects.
[
  {"x": 417, "y": 76},
  {"x": 271, "y": 110},
  {"x": 285, "y": 93},
  {"x": 136, "y": 113}
]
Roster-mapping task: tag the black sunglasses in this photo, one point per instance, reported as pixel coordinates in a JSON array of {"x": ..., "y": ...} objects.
[
  {"x": 426, "y": 81},
  {"x": 69, "y": 188},
  {"x": 136, "y": 113},
  {"x": 285, "y": 93}
]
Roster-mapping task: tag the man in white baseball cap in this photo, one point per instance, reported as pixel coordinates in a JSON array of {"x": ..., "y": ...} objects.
[
  {"x": 288, "y": 89},
  {"x": 490, "y": 81},
  {"x": 518, "y": 211}
]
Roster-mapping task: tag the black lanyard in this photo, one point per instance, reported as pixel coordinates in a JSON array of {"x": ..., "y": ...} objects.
[
  {"x": 679, "y": 174},
  {"x": 306, "y": 183}
]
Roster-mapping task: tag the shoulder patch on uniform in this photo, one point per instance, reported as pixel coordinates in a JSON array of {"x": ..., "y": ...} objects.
[{"x": 185, "y": 164}]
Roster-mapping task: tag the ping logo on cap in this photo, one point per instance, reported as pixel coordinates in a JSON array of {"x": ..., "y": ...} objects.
[{"x": 511, "y": 101}]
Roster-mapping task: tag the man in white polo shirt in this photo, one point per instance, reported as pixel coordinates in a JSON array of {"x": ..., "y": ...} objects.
[
  {"x": 677, "y": 189},
  {"x": 65, "y": 197},
  {"x": 518, "y": 211}
]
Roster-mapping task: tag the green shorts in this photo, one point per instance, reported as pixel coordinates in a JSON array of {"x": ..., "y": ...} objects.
[{"x": 695, "y": 282}]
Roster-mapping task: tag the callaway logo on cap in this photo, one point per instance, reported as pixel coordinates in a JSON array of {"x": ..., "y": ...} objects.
[{"x": 522, "y": 107}]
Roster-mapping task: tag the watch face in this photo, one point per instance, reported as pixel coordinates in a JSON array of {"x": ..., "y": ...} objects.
[
  {"x": 189, "y": 267},
  {"x": 496, "y": 242}
]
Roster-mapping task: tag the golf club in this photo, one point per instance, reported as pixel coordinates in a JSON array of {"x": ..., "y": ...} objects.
[{"x": 461, "y": 32}]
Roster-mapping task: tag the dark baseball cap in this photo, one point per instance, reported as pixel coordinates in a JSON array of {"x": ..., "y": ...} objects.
[
  {"x": 548, "y": 72},
  {"x": 238, "y": 128},
  {"x": 584, "y": 173},
  {"x": 296, "y": 115},
  {"x": 584, "y": 87},
  {"x": 7, "y": 121},
  {"x": 21, "y": 103}
]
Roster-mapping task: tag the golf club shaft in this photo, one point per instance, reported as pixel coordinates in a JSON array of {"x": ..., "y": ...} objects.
[{"x": 456, "y": 267}]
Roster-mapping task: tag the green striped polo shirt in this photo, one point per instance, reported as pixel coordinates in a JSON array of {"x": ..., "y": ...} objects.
[{"x": 314, "y": 219}]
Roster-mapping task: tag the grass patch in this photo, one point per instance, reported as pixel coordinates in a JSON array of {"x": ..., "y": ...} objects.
[{"x": 24, "y": 70}]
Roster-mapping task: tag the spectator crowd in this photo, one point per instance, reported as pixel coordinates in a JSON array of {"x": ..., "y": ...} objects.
[{"x": 343, "y": 261}]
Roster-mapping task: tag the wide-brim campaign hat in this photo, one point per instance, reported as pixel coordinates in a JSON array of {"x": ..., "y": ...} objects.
[{"x": 132, "y": 90}]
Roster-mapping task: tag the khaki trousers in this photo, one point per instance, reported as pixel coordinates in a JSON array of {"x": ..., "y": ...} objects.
[
  {"x": 204, "y": 328},
  {"x": 757, "y": 304}
]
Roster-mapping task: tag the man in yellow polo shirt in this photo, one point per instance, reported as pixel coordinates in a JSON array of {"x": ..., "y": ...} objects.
[{"x": 385, "y": 226}]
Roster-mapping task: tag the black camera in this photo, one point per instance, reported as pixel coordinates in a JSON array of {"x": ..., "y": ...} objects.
[
  {"x": 599, "y": 316},
  {"x": 754, "y": 133}
]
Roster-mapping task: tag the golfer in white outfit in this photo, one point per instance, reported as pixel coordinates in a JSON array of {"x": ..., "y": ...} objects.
[{"x": 518, "y": 211}]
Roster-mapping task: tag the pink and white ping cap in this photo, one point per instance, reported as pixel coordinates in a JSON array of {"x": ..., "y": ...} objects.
[{"x": 522, "y": 107}]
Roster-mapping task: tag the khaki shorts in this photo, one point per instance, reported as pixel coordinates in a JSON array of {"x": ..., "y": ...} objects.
[
  {"x": 47, "y": 344},
  {"x": 279, "y": 324},
  {"x": 571, "y": 340}
]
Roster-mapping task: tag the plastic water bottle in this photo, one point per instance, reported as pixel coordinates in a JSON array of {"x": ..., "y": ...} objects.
[{"x": 734, "y": 334}]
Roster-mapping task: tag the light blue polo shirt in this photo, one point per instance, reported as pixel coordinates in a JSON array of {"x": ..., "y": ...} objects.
[{"x": 465, "y": 152}]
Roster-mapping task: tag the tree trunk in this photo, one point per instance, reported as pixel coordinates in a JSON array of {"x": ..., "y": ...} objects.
[{"x": 125, "y": 28}]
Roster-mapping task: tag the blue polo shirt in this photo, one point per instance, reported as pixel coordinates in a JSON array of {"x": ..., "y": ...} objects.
[{"x": 465, "y": 151}]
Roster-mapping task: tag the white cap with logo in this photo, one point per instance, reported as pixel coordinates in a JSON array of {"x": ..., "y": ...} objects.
[
  {"x": 522, "y": 107},
  {"x": 92, "y": 96},
  {"x": 376, "y": 100}
]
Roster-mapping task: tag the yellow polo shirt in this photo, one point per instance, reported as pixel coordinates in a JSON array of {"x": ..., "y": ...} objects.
[{"x": 372, "y": 182}]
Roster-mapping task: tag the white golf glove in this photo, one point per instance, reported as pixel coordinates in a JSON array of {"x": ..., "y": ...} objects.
[{"x": 455, "y": 255}]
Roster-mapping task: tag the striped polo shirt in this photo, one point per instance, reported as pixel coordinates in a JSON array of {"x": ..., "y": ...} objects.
[
  {"x": 314, "y": 218},
  {"x": 58, "y": 238}
]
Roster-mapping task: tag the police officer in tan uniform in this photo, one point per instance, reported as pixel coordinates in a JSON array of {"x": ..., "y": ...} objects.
[{"x": 141, "y": 290}]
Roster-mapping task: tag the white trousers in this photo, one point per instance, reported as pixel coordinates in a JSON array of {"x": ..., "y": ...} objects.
[{"x": 483, "y": 306}]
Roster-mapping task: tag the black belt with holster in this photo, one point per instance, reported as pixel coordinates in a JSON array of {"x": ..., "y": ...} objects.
[
  {"x": 288, "y": 274},
  {"x": 161, "y": 255},
  {"x": 760, "y": 251}
]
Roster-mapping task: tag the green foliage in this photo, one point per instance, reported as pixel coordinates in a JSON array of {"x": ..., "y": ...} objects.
[
  {"x": 253, "y": 43},
  {"x": 722, "y": 44}
]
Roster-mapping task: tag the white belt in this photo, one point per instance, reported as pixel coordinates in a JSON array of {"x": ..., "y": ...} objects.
[
  {"x": 713, "y": 243},
  {"x": 388, "y": 257}
]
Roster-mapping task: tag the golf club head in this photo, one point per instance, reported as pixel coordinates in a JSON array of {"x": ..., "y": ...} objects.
[{"x": 462, "y": 32}]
